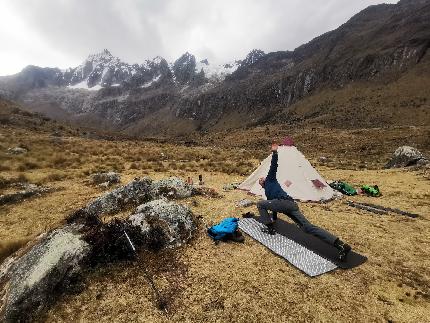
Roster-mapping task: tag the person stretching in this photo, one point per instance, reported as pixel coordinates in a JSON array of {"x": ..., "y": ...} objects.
[{"x": 279, "y": 201}]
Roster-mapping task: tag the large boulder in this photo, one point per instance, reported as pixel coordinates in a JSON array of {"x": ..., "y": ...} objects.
[
  {"x": 34, "y": 276},
  {"x": 132, "y": 194},
  {"x": 406, "y": 156},
  {"x": 173, "y": 223},
  {"x": 31, "y": 279},
  {"x": 172, "y": 188}
]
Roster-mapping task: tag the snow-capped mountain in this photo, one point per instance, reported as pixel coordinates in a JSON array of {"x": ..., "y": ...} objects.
[
  {"x": 159, "y": 97},
  {"x": 103, "y": 70},
  {"x": 217, "y": 72}
]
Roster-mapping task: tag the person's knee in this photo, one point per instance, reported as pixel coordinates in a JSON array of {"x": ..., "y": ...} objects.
[
  {"x": 308, "y": 228},
  {"x": 261, "y": 205}
]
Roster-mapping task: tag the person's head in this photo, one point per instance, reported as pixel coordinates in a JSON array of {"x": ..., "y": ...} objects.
[{"x": 262, "y": 181}]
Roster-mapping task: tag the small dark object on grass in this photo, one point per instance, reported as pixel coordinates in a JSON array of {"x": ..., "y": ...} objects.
[
  {"x": 397, "y": 211},
  {"x": 248, "y": 215},
  {"x": 365, "y": 208},
  {"x": 378, "y": 209}
]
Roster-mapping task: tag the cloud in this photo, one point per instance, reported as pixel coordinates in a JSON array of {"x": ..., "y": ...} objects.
[{"x": 63, "y": 32}]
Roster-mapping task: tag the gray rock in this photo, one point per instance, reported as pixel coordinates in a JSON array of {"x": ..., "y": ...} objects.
[
  {"x": 29, "y": 190},
  {"x": 134, "y": 193},
  {"x": 230, "y": 187},
  {"x": 172, "y": 188},
  {"x": 244, "y": 203},
  {"x": 406, "y": 156},
  {"x": 174, "y": 222},
  {"x": 31, "y": 279},
  {"x": 110, "y": 178},
  {"x": 17, "y": 151}
]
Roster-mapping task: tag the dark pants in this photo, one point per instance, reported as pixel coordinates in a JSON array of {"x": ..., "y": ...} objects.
[{"x": 290, "y": 208}]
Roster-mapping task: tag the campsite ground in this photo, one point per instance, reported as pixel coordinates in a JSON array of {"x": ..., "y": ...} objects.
[{"x": 234, "y": 282}]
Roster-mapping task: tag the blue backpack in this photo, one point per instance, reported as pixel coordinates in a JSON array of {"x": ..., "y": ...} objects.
[{"x": 221, "y": 230}]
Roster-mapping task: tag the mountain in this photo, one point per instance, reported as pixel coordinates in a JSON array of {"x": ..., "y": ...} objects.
[{"x": 382, "y": 45}]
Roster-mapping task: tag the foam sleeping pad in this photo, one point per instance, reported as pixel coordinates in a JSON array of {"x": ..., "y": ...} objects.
[{"x": 304, "y": 251}]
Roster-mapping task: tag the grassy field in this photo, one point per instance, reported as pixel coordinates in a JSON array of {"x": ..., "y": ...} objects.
[{"x": 232, "y": 282}]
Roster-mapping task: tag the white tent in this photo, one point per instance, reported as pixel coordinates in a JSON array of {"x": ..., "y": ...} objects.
[{"x": 295, "y": 174}]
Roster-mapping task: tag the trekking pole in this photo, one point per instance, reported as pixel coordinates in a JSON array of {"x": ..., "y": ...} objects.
[{"x": 160, "y": 303}]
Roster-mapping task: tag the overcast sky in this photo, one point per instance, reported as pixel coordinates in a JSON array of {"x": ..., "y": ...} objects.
[{"x": 61, "y": 33}]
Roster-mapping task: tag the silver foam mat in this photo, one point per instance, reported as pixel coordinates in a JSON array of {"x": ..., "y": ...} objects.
[{"x": 297, "y": 255}]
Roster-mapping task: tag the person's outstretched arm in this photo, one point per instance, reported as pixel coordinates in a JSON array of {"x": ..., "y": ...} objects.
[{"x": 274, "y": 164}]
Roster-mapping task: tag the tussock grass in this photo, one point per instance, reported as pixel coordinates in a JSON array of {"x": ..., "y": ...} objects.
[{"x": 9, "y": 247}]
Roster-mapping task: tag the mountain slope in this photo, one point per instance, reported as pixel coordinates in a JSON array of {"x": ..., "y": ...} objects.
[{"x": 374, "y": 48}]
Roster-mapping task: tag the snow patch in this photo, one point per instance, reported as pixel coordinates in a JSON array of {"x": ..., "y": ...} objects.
[
  {"x": 218, "y": 72},
  {"x": 148, "y": 84},
  {"x": 84, "y": 85}
]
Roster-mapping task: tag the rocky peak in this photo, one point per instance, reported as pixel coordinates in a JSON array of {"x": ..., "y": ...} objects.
[
  {"x": 103, "y": 56},
  {"x": 98, "y": 70},
  {"x": 253, "y": 57},
  {"x": 413, "y": 2},
  {"x": 184, "y": 68}
]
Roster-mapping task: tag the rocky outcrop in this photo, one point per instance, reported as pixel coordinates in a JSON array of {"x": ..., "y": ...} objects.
[
  {"x": 33, "y": 278},
  {"x": 28, "y": 190},
  {"x": 172, "y": 188},
  {"x": 29, "y": 278},
  {"x": 134, "y": 193},
  {"x": 173, "y": 223},
  {"x": 406, "y": 156}
]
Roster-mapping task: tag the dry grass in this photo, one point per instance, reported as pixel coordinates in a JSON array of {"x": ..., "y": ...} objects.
[
  {"x": 247, "y": 283},
  {"x": 8, "y": 247},
  {"x": 232, "y": 282}
]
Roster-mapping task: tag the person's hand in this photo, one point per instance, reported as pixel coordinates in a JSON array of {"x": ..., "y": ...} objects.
[{"x": 274, "y": 146}]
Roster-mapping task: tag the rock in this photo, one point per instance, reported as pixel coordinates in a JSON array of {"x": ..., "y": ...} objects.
[
  {"x": 134, "y": 193},
  {"x": 17, "y": 151},
  {"x": 406, "y": 156},
  {"x": 172, "y": 188},
  {"x": 101, "y": 178},
  {"x": 29, "y": 190},
  {"x": 322, "y": 159},
  {"x": 104, "y": 185},
  {"x": 244, "y": 203},
  {"x": 230, "y": 187},
  {"x": 173, "y": 223},
  {"x": 31, "y": 279}
]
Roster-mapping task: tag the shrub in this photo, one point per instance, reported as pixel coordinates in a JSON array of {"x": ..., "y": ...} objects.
[
  {"x": 4, "y": 182},
  {"x": 59, "y": 161},
  {"x": 133, "y": 166},
  {"x": 22, "y": 178},
  {"x": 4, "y": 168},
  {"x": 54, "y": 177}
]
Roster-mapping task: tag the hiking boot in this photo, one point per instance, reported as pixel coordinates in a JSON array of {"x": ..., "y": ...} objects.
[
  {"x": 269, "y": 229},
  {"x": 343, "y": 248}
]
